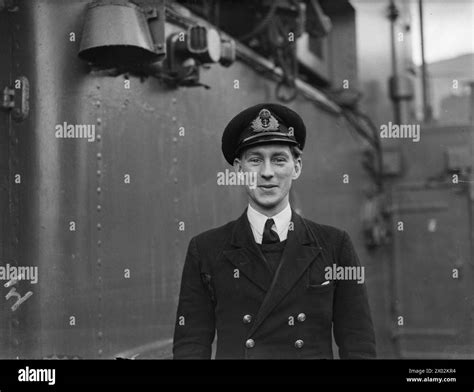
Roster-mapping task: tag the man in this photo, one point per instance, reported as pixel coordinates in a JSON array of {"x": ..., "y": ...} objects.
[{"x": 260, "y": 281}]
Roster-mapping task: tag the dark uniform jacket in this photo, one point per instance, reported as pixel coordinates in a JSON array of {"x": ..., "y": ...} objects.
[{"x": 227, "y": 287}]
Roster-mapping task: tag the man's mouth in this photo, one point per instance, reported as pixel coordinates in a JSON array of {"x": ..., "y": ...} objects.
[{"x": 268, "y": 186}]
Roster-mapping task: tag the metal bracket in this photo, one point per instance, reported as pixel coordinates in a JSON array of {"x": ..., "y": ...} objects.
[{"x": 17, "y": 99}]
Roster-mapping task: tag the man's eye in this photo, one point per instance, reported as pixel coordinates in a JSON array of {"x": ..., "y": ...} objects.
[
  {"x": 280, "y": 160},
  {"x": 254, "y": 160}
]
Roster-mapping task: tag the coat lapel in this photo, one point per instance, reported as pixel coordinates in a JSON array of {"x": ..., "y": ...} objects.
[
  {"x": 300, "y": 251},
  {"x": 245, "y": 255}
]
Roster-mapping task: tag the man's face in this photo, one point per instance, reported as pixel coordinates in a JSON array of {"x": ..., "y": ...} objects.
[{"x": 275, "y": 169}]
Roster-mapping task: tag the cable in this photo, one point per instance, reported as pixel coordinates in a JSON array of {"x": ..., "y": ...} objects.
[
  {"x": 354, "y": 117},
  {"x": 261, "y": 26},
  {"x": 277, "y": 35}
]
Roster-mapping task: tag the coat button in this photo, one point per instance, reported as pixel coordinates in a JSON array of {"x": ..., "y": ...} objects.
[
  {"x": 247, "y": 319},
  {"x": 299, "y": 343},
  {"x": 250, "y": 343},
  {"x": 301, "y": 317}
]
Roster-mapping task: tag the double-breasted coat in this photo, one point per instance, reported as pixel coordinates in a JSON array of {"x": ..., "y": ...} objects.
[{"x": 228, "y": 288}]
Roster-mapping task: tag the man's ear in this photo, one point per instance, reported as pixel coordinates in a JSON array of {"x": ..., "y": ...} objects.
[
  {"x": 237, "y": 165},
  {"x": 298, "y": 168}
]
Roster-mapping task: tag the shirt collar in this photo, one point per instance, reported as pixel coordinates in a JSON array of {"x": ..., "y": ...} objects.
[{"x": 257, "y": 221}]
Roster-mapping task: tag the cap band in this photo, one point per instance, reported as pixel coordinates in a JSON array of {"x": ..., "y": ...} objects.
[{"x": 267, "y": 134}]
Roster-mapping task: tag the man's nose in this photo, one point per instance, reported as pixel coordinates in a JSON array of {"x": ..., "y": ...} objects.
[{"x": 267, "y": 170}]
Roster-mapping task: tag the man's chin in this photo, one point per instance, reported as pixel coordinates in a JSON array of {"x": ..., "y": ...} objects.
[{"x": 266, "y": 203}]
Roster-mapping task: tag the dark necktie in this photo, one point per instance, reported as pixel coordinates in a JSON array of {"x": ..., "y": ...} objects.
[{"x": 269, "y": 236}]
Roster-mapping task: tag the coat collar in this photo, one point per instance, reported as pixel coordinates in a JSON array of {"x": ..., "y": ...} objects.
[
  {"x": 245, "y": 255},
  {"x": 301, "y": 249}
]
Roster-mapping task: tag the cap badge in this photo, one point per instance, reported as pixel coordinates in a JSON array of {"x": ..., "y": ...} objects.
[{"x": 265, "y": 122}]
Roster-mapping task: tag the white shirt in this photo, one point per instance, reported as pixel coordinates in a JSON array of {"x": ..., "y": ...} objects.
[{"x": 257, "y": 222}]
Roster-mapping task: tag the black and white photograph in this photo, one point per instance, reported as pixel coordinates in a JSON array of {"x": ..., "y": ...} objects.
[{"x": 277, "y": 180}]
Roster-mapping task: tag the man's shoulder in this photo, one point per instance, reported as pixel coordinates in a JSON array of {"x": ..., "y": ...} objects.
[
  {"x": 215, "y": 234},
  {"x": 326, "y": 233}
]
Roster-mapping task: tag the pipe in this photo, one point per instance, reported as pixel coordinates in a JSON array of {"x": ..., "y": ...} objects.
[
  {"x": 427, "y": 112},
  {"x": 392, "y": 16}
]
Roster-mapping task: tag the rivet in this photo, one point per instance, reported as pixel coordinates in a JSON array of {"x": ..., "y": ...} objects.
[
  {"x": 174, "y": 100},
  {"x": 100, "y": 351},
  {"x": 100, "y": 334},
  {"x": 99, "y": 189},
  {"x": 99, "y": 120},
  {"x": 175, "y": 180},
  {"x": 299, "y": 343},
  {"x": 175, "y": 139},
  {"x": 173, "y": 118},
  {"x": 99, "y": 172},
  {"x": 99, "y": 226},
  {"x": 99, "y": 207},
  {"x": 175, "y": 160},
  {"x": 99, "y": 155},
  {"x": 99, "y": 137},
  {"x": 99, "y": 243}
]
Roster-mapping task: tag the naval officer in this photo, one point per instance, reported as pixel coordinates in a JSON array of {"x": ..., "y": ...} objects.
[{"x": 259, "y": 281}]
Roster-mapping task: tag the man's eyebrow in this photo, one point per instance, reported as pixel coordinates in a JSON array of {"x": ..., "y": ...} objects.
[
  {"x": 250, "y": 153},
  {"x": 285, "y": 153}
]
